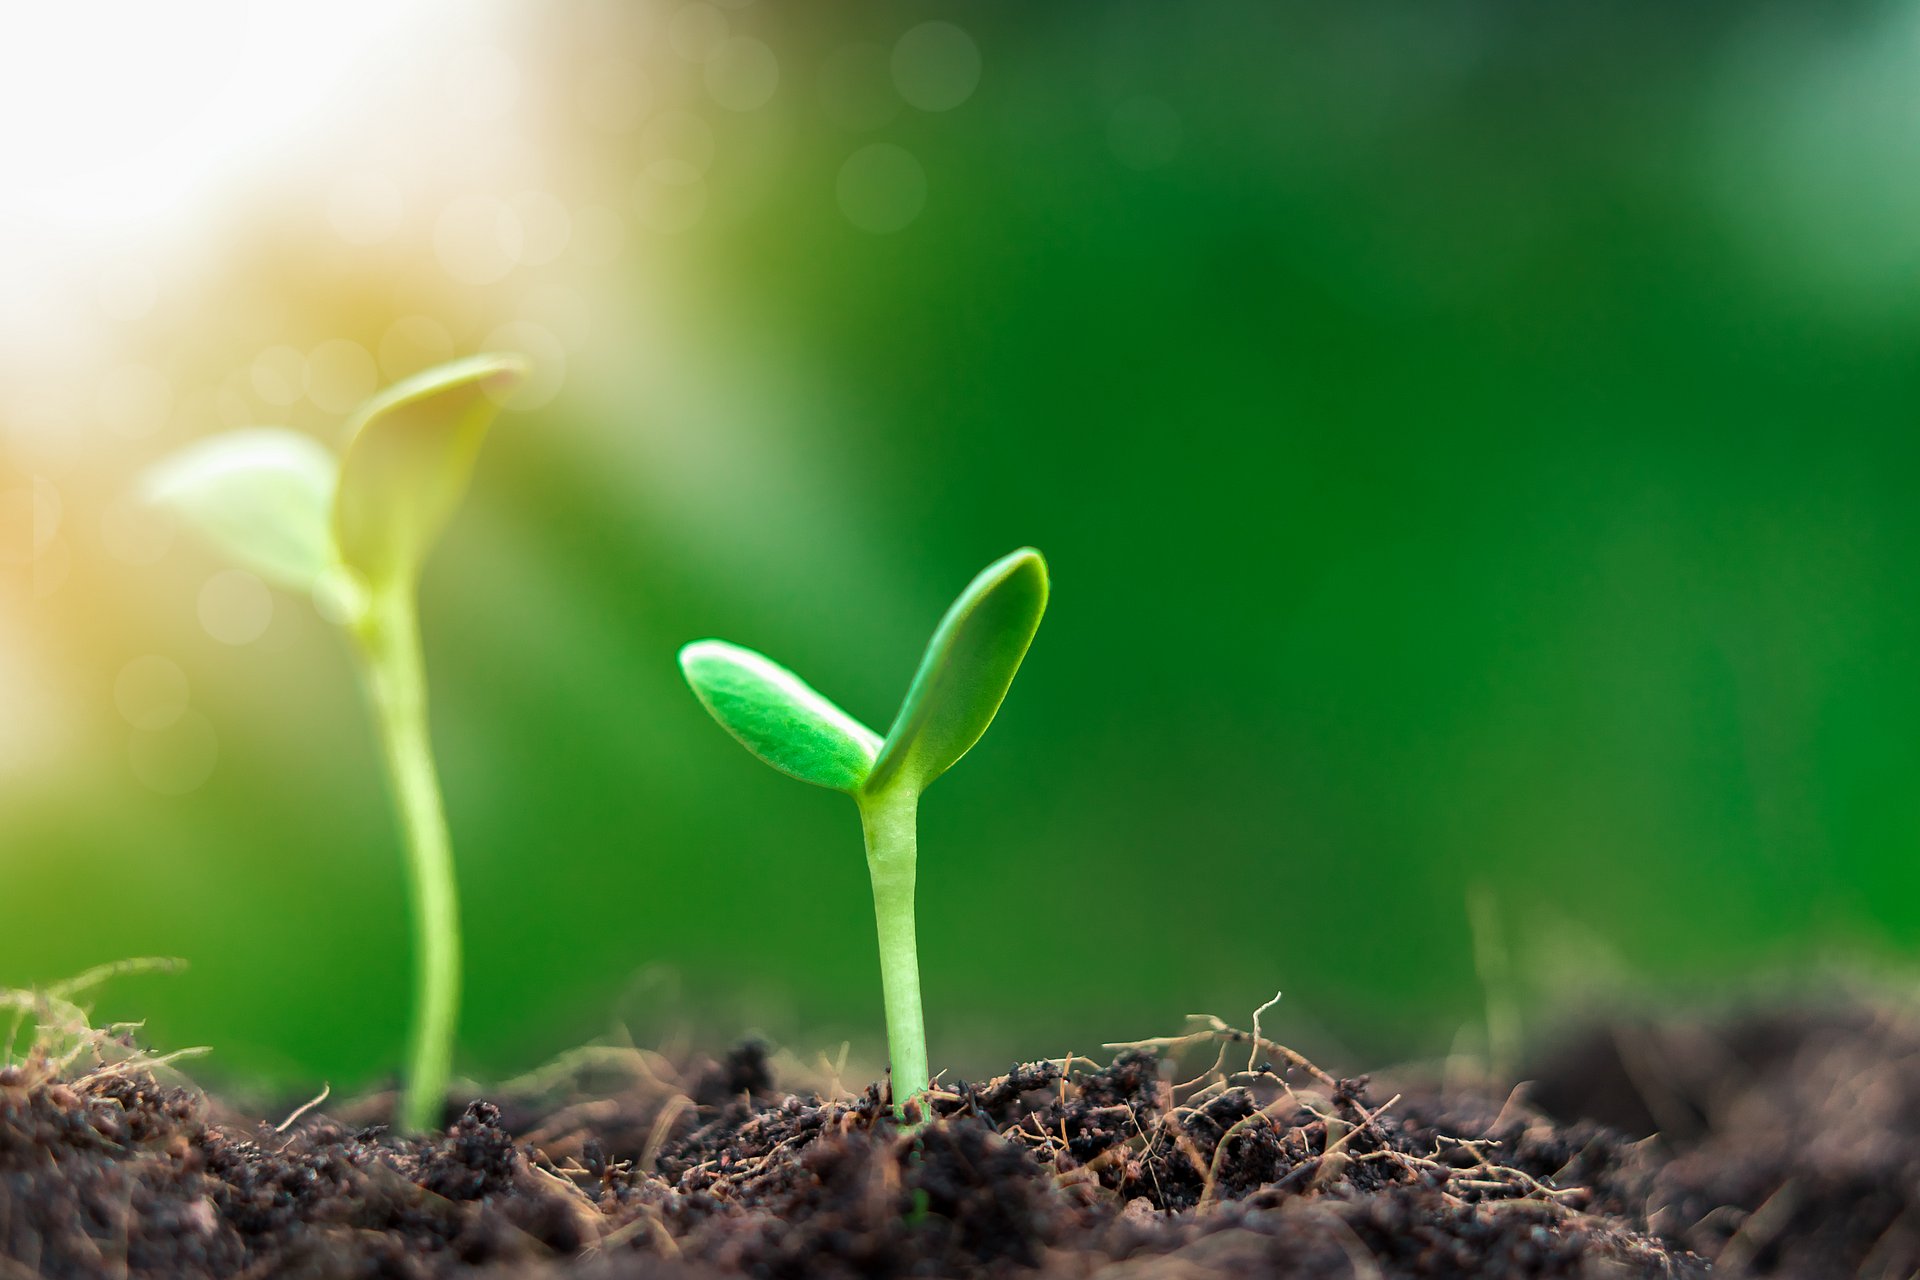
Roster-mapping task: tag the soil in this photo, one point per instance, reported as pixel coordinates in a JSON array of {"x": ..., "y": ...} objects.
[{"x": 1779, "y": 1143}]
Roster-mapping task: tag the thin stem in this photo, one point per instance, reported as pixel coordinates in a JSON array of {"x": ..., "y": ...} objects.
[
  {"x": 389, "y": 646},
  {"x": 890, "y": 820}
]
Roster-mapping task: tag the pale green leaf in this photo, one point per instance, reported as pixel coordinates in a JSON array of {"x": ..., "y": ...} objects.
[
  {"x": 410, "y": 454},
  {"x": 778, "y": 717},
  {"x": 965, "y": 673},
  {"x": 260, "y": 496}
]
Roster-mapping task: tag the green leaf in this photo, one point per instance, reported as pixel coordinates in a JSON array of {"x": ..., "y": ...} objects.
[
  {"x": 409, "y": 456},
  {"x": 260, "y": 496},
  {"x": 778, "y": 716},
  {"x": 968, "y": 667}
]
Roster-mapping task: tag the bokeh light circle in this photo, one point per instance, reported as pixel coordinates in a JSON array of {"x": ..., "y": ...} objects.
[
  {"x": 478, "y": 239},
  {"x": 936, "y": 66},
  {"x": 679, "y": 136},
  {"x": 742, "y": 74},
  {"x": 235, "y": 607},
  {"x": 614, "y": 95},
  {"x": 599, "y": 235},
  {"x": 545, "y": 226},
  {"x": 696, "y": 31},
  {"x": 279, "y": 376},
  {"x": 340, "y": 376},
  {"x": 669, "y": 196},
  {"x": 881, "y": 188}
]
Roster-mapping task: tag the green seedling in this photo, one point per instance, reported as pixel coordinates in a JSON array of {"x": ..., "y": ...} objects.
[
  {"x": 966, "y": 671},
  {"x": 353, "y": 533}
]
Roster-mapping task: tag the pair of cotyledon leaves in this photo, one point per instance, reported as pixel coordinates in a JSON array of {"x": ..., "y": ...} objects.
[
  {"x": 360, "y": 526},
  {"x": 279, "y": 504},
  {"x": 968, "y": 667}
]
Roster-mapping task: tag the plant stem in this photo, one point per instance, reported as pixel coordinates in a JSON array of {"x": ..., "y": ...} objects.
[
  {"x": 890, "y": 821},
  {"x": 389, "y": 646}
]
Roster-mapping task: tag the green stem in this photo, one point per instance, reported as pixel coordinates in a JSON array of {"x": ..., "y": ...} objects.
[
  {"x": 890, "y": 820},
  {"x": 389, "y": 644}
]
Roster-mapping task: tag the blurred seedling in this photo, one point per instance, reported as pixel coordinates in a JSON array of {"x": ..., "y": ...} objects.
[
  {"x": 353, "y": 533},
  {"x": 966, "y": 671}
]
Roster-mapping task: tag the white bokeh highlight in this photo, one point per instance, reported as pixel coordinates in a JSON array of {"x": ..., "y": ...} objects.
[
  {"x": 614, "y": 95},
  {"x": 881, "y": 188},
  {"x": 669, "y": 196},
  {"x": 235, "y": 607},
  {"x": 278, "y": 376},
  {"x": 599, "y": 235},
  {"x": 341, "y": 375},
  {"x": 936, "y": 66},
  {"x": 478, "y": 239},
  {"x": 679, "y": 136},
  {"x": 742, "y": 74},
  {"x": 545, "y": 226},
  {"x": 696, "y": 31}
]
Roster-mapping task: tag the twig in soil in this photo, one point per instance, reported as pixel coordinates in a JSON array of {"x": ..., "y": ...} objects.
[
  {"x": 326, "y": 1090},
  {"x": 1253, "y": 1054},
  {"x": 1219, "y": 1032},
  {"x": 568, "y": 1067}
]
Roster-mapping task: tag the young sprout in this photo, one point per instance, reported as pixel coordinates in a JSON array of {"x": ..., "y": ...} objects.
[
  {"x": 354, "y": 533},
  {"x": 964, "y": 675}
]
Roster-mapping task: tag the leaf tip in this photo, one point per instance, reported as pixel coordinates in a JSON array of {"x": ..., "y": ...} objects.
[
  {"x": 1026, "y": 561},
  {"x": 698, "y": 653},
  {"x": 501, "y": 371}
]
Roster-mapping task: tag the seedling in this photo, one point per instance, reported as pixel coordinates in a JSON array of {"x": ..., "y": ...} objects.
[
  {"x": 966, "y": 671},
  {"x": 354, "y": 533}
]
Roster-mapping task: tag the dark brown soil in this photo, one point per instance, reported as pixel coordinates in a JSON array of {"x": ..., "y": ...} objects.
[
  {"x": 1788, "y": 1138},
  {"x": 1786, "y": 1148}
]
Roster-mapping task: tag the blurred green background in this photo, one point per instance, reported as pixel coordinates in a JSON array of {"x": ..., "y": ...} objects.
[{"x": 1475, "y": 446}]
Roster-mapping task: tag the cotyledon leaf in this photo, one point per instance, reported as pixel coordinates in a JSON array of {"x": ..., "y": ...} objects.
[
  {"x": 963, "y": 677},
  {"x": 409, "y": 456},
  {"x": 261, "y": 496},
  {"x": 778, "y": 716}
]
